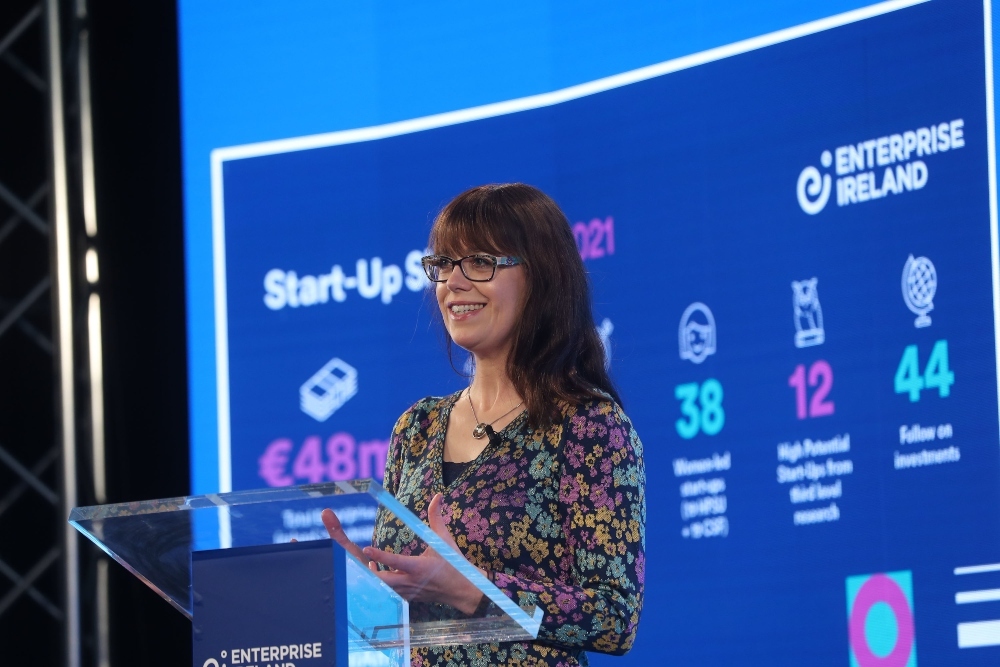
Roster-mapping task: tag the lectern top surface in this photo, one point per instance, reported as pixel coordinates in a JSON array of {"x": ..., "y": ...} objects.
[{"x": 154, "y": 539}]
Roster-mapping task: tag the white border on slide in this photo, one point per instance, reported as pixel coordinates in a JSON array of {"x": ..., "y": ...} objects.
[
  {"x": 991, "y": 161},
  {"x": 220, "y": 155}
]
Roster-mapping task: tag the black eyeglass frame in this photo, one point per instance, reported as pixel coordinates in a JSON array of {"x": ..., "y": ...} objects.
[{"x": 502, "y": 260}]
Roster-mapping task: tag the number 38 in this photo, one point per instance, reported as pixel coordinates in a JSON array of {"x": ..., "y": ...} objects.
[{"x": 702, "y": 406}]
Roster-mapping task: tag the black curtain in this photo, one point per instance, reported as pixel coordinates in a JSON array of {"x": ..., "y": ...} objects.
[{"x": 136, "y": 112}]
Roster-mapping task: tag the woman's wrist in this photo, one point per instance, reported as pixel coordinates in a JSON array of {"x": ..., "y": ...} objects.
[{"x": 469, "y": 598}]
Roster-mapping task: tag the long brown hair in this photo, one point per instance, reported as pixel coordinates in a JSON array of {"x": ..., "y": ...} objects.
[{"x": 557, "y": 354}]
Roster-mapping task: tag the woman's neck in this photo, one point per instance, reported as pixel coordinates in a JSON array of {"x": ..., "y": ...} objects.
[{"x": 491, "y": 389}]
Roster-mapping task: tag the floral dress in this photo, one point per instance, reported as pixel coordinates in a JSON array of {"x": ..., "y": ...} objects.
[{"x": 556, "y": 516}]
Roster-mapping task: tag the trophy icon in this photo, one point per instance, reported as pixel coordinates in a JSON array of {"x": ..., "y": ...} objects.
[
  {"x": 919, "y": 286},
  {"x": 808, "y": 313},
  {"x": 697, "y": 333}
]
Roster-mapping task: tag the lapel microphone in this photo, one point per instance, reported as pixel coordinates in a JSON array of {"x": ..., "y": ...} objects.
[{"x": 494, "y": 437}]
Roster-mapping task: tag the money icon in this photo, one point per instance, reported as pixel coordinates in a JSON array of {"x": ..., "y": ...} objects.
[{"x": 328, "y": 389}]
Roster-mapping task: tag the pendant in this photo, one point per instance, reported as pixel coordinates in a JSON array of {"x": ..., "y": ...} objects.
[{"x": 479, "y": 431}]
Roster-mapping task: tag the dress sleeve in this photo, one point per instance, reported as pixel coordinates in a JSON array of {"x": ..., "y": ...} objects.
[
  {"x": 603, "y": 500},
  {"x": 401, "y": 433}
]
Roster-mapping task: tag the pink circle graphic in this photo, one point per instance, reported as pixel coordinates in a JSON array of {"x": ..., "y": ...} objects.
[{"x": 880, "y": 588}]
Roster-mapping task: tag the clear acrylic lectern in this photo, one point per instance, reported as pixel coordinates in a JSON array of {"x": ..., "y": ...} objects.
[{"x": 156, "y": 540}]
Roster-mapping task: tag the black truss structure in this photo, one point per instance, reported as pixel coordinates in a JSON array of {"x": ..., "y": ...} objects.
[{"x": 52, "y": 587}]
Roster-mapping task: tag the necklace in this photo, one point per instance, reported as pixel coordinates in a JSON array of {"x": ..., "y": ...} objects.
[{"x": 482, "y": 429}]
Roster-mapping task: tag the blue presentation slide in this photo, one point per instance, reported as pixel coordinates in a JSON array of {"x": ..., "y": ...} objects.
[{"x": 792, "y": 250}]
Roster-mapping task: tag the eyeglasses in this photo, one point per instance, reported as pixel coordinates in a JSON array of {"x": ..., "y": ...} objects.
[{"x": 479, "y": 268}]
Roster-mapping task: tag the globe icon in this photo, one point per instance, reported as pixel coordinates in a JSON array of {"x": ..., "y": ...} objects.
[{"x": 919, "y": 287}]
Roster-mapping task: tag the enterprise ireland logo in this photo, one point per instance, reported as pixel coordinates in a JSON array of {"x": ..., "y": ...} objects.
[
  {"x": 876, "y": 168},
  {"x": 880, "y": 620}
]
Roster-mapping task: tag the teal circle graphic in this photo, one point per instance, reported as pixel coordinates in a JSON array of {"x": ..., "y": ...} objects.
[{"x": 881, "y": 630}]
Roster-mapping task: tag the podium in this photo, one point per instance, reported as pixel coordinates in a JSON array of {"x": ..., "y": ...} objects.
[{"x": 226, "y": 561}]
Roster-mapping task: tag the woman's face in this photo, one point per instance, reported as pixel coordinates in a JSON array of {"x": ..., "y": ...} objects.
[{"x": 480, "y": 317}]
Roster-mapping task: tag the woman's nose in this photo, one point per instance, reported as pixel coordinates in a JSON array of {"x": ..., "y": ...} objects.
[{"x": 457, "y": 282}]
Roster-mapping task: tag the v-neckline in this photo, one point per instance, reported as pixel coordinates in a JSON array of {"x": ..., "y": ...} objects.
[{"x": 437, "y": 447}]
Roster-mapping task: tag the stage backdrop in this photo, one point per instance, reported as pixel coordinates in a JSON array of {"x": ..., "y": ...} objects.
[{"x": 789, "y": 221}]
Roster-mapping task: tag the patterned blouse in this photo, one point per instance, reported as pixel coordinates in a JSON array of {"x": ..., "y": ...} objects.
[{"x": 557, "y": 517}]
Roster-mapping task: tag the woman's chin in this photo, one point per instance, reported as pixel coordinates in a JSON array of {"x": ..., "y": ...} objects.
[
  {"x": 464, "y": 347},
  {"x": 474, "y": 345},
  {"x": 466, "y": 344}
]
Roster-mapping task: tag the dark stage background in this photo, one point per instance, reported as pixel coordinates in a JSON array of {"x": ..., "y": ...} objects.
[{"x": 137, "y": 138}]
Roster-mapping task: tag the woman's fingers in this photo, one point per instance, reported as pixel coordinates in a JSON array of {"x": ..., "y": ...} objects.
[
  {"x": 410, "y": 576},
  {"x": 389, "y": 559},
  {"x": 426, "y": 577},
  {"x": 338, "y": 535}
]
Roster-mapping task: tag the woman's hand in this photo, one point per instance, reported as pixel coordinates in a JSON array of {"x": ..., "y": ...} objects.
[
  {"x": 424, "y": 578},
  {"x": 336, "y": 531}
]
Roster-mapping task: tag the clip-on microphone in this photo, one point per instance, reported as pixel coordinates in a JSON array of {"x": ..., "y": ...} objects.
[{"x": 494, "y": 437}]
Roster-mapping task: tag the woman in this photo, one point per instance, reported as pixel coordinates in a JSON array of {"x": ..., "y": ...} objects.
[{"x": 533, "y": 472}]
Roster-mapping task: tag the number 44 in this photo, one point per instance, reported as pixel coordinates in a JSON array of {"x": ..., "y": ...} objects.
[{"x": 936, "y": 373}]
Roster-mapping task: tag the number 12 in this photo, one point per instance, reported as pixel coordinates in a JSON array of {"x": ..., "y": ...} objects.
[{"x": 821, "y": 374}]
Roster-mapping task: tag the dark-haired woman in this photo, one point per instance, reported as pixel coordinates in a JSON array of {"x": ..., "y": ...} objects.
[{"x": 533, "y": 472}]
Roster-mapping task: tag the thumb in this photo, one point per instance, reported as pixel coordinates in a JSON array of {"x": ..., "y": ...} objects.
[{"x": 435, "y": 518}]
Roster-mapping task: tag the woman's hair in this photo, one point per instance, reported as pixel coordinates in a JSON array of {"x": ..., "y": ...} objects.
[{"x": 556, "y": 354}]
